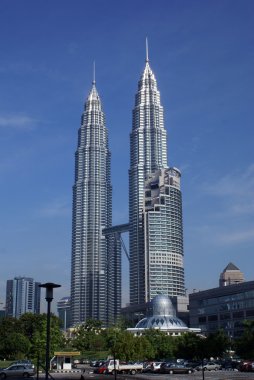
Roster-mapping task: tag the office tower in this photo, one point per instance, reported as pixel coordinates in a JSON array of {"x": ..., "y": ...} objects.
[
  {"x": 92, "y": 212},
  {"x": 148, "y": 153},
  {"x": 23, "y": 295},
  {"x": 64, "y": 312},
  {"x": 114, "y": 272},
  {"x": 231, "y": 275},
  {"x": 163, "y": 234}
]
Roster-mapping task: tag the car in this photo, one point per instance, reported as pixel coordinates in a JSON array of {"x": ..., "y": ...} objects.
[
  {"x": 230, "y": 365},
  {"x": 155, "y": 366},
  {"x": 147, "y": 367},
  {"x": 177, "y": 368},
  {"x": 194, "y": 363},
  {"x": 16, "y": 370},
  {"x": 101, "y": 369},
  {"x": 209, "y": 366},
  {"x": 24, "y": 362},
  {"x": 164, "y": 368},
  {"x": 246, "y": 366}
]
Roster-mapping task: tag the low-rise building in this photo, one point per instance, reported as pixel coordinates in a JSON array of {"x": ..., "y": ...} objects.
[{"x": 225, "y": 307}]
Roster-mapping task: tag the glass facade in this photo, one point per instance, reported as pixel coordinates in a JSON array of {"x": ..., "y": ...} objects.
[
  {"x": 64, "y": 312},
  {"x": 163, "y": 234},
  {"x": 92, "y": 211},
  {"x": 148, "y": 153},
  {"x": 23, "y": 295},
  {"x": 223, "y": 308}
]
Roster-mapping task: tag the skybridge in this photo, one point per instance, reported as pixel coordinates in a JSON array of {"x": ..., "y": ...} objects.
[{"x": 116, "y": 233}]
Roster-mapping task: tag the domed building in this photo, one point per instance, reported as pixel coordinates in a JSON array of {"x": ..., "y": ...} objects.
[{"x": 162, "y": 316}]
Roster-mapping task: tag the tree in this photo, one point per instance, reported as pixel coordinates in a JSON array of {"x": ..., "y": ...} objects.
[
  {"x": 190, "y": 346},
  {"x": 14, "y": 346},
  {"x": 125, "y": 346},
  {"x": 143, "y": 348},
  {"x": 245, "y": 344},
  {"x": 27, "y": 335},
  {"x": 217, "y": 344},
  {"x": 89, "y": 336},
  {"x": 9, "y": 327},
  {"x": 164, "y": 345}
]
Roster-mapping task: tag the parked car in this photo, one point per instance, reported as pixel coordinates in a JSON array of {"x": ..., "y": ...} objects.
[
  {"x": 210, "y": 366},
  {"x": 147, "y": 367},
  {"x": 25, "y": 362},
  {"x": 16, "y": 370},
  {"x": 101, "y": 369},
  {"x": 230, "y": 365},
  {"x": 194, "y": 364},
  {"x": 177, "y": 368},
  {"x": 246, "y": 366},
  {"x": 98, "y": 363},
  {"x": 155, "y": 366},
  {"x": 164, "y": 368}
]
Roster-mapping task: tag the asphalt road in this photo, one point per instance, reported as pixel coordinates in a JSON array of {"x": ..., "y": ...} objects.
[{"x": 211, "y": 375}]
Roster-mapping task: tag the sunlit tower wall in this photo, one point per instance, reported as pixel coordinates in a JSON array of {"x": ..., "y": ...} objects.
[
  {"x": 163, "y": 228},
  {"x": 148, "y": 153},
  {"x": 92, "y": 212}
]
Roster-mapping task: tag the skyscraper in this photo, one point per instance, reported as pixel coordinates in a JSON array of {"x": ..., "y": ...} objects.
[
  {"x": 163, "y": 230},
  {"x": 148, "y": 153},
  {"x": 92, "y": 212},
  {"x": 23, "y": 295},
  {"x": 64, "y": 312}
]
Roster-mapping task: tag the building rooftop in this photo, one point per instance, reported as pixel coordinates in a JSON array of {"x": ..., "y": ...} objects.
[{"x": 231, "y": 266}]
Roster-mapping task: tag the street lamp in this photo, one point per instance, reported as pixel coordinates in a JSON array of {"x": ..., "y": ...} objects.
[{"x": 49, "y": 286}]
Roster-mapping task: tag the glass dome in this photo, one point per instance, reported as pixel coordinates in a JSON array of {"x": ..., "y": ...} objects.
[
  {"x": 163, "y": 315},
  {"x": 161, "y": 322},
  {"x": 161, "y": 305}
]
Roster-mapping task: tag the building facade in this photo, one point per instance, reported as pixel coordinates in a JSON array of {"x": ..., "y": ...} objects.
[
  {"x": 155, "y": 202},
  {"x": 231, "y": 275},
  {"x": 64, "y": 312},
  {"x": 148, "y": 153},
  {"x": 92, "y": 212},
  {"x": 163, "y": 234},
  {"x": 23, "y": 295},
  {"x": 224, "y": 308}
]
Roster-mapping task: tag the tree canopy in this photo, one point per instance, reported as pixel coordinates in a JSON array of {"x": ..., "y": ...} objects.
[{"x": 26, "y": 336}]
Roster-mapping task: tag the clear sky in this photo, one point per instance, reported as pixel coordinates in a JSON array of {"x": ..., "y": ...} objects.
[{"x": 202, "y": 54}]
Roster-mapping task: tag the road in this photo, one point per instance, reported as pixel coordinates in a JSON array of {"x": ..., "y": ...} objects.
[{"x": 211, "y": 375}]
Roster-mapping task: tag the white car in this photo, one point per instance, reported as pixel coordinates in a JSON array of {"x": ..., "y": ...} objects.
[{"x": 210, "y": 366}]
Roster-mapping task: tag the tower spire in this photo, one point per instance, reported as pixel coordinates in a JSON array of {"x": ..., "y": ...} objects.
[
  {"x": 147, "y": 57},
  {"x": 93, "y": 73}
]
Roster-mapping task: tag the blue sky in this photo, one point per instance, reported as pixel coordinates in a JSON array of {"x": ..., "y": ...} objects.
[{"x": 202, "y": 54}]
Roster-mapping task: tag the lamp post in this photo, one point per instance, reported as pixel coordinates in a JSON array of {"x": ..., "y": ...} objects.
[{"x": 49, "y": 286}]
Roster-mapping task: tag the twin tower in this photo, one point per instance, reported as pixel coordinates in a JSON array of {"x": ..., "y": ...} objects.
[{"x": 155, "y": 212}]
